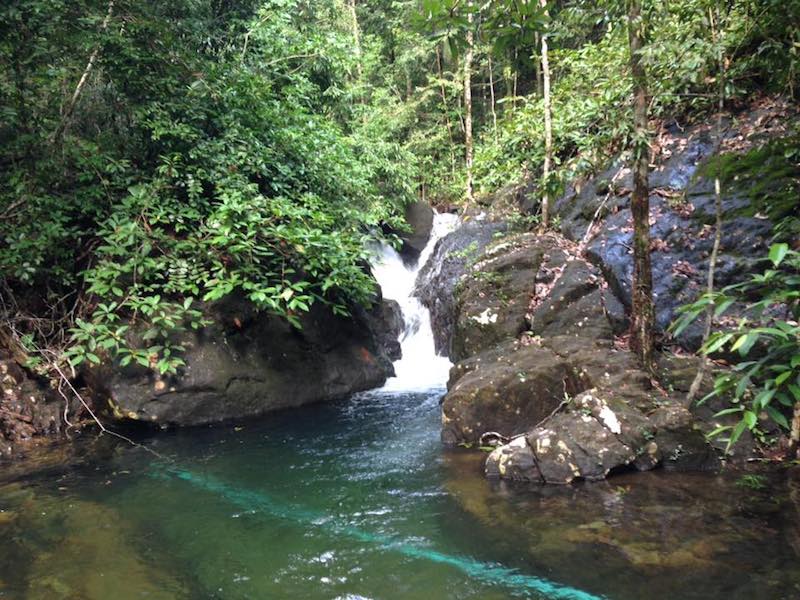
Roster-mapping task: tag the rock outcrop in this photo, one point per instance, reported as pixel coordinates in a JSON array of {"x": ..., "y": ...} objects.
[
  {"x": 536, "y": 323},
  {"x": 573, "y": 405},
  {"x": 419, "y": 216},
  {"x": 437, "y": 281},
  {"x": 246, "y": 364},
  {"x": 682, "y": 208}
]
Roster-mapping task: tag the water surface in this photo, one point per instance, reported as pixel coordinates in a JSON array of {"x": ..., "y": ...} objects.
[{"x": 357, "y": 499}]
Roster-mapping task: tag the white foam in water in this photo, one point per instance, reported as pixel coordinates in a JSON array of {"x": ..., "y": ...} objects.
[{"x": 420, "y": 368}]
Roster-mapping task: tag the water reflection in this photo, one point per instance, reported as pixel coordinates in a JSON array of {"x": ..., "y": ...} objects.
[
  {"x": 345, "y": 478},
  {"x": 646, "y": 535}
]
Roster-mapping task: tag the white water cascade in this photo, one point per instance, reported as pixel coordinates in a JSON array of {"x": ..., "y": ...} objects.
[{"x": 420, "y": 368}]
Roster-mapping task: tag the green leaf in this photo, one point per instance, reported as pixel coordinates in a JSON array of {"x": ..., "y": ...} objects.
[
  {"x": 777, "y": 253},
  {"x": 763, "y": 398},
  {"x": 777, "y": 416},
  {"x": 718, "y": 430},
  {"x": 729, "y": 411},
  {"x": 717, "y": 343},
  {"x": 737, "y": 432},
  {"x": 750, "y": 418},
  {"x": 780, "y": 379}
]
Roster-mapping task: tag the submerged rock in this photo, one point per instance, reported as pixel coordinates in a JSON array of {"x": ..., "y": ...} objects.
[
  {"x": 246, "y": 364},
  {"x": 66, "y": 548}
]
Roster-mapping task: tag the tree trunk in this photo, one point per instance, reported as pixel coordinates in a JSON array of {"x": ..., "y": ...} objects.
[
  {"x": 516, "y": 79},
  {"x": 537, "y": 67},
  {"x": 446, "y": 109},
  {"x": 642, "y": 310},
  {"x": 548, "y": 127},
  {"x": 356, "y": 34},
  {"x": 66, "y": 115},
  {"x": 493, "y": 100},
  {"x": 468, "y": 106},
  {"x": 794, "y": 436}
]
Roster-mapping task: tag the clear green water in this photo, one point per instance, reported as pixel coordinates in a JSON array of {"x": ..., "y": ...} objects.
[{"x": 357, "y": 499}]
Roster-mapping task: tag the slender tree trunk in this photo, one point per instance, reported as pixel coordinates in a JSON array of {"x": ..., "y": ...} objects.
[
  {"x": 712, "y": 261},
  {"x": 446, "y": 109},
  {"x": 642, "y": 310},
  {"x": 516, "y": 79},
  {"x": 537, "y": 66},
  {"x": 66, "y": 115},
  {"x": 468, "y": 106},
  {"x": 508, "y": 79},
  {"x": 493, "y": 100},
  {"x": 794, "y": 436},
  {"x": 356, "y": 35},
  {"x": 548, "y": 127}
]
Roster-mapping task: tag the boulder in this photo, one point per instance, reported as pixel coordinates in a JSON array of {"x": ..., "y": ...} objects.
[
  {"x": 574, "y": 305},
  {"x": 505, "y": 389},
  {"x": 534, "y": 331},
  {"x": 437, "y": 280},
  {"x": 247, "y": 364},
  {"x": 599, "y": 432},
  {"x": 494, "y": 295},
  {"x": 419, "y": 216}
]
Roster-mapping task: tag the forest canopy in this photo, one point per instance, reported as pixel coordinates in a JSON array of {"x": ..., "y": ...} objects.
[{"x": 157, "y": 155}]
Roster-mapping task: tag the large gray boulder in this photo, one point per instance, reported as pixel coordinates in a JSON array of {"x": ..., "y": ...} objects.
[
  {"x": 419, "y": 216},
  {"x": 247, "y": 364}
]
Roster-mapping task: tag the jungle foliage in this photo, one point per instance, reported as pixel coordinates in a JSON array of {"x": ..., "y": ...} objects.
[{"x": 216, "y": 148}]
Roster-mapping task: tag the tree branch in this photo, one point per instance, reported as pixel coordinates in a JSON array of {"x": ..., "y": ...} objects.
[{"x": 67, "y": 114}]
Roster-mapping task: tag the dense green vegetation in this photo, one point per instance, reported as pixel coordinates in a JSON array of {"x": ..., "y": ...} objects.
[
  {"x": 215, "y": 147},
  {"x": 158, "y": 155}
]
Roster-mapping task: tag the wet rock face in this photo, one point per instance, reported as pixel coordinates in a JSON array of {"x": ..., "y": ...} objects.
[
  {"x": 437, "y": 281},
  {"x": 682, "y": 206},
  {"x": 247, "y": 364},
  {"x": 419, "y": 216}
]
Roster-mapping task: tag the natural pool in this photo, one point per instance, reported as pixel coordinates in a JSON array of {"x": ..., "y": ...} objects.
[{"x": 357, "y": 499}]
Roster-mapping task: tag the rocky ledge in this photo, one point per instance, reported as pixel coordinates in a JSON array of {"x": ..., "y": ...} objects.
[{"x": 247, "y": 363}]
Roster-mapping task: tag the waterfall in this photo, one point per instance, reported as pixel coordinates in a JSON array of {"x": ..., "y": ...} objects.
[{"x": 420, "y": 368}]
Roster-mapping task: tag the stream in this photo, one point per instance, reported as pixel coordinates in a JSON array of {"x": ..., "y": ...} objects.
[{"x": 357, "y": 499}]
